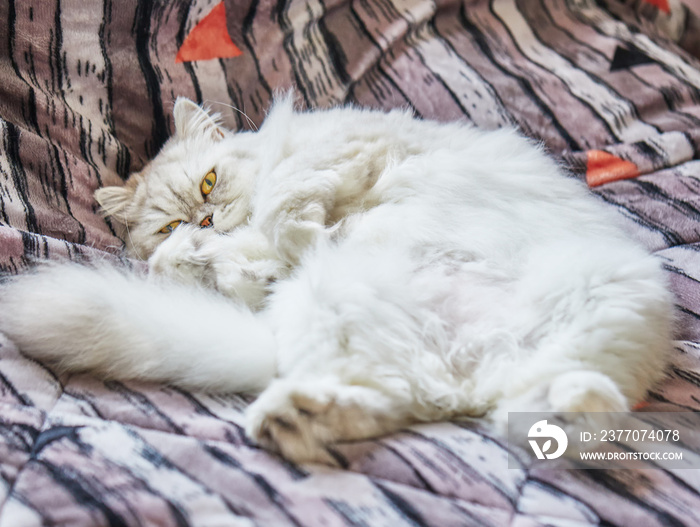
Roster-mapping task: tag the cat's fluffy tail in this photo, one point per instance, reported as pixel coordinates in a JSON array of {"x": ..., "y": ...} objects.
[{"x": 118, "y": 324}]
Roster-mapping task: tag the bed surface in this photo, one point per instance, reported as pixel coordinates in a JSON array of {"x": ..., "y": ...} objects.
[{"x": 86, "y": 95}]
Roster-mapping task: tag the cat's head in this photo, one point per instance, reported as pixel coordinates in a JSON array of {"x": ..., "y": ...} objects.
[{"x": 203, "y": 176}]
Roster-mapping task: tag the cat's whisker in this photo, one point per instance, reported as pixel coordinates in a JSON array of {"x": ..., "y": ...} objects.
[
  {"x": 133, "y": 245},
  {"x": 250, "y": 121}
]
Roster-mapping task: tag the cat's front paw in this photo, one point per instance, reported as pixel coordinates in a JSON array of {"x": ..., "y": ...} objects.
[
  {"x": 245, "y": 265},
  {"x": 239, "y": 265},
  {"x": 248, "y": 280},
  {"x": 294, "y": 237},
  {"x": 181, "y": 257},
  {"x": 300, "y": 418}
]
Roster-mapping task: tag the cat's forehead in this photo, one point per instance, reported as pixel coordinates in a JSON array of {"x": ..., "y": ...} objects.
[
  {"x": 182, "y": 161},
  {"x": 184, "y": 154}
]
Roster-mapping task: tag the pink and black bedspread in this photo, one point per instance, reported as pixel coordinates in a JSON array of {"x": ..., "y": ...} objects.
[{"x": 86, "y": 96}]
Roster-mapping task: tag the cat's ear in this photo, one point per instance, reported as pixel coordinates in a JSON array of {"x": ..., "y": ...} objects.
[
  {"x": 115, "y": 201},
  {"x": 192, "y": 120}
]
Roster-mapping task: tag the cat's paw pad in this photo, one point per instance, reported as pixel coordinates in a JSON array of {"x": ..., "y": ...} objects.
[{"x": 586, "y": 391}]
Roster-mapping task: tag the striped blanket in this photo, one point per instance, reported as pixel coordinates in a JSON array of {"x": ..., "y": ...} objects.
[{"x": 612, "y": 88}]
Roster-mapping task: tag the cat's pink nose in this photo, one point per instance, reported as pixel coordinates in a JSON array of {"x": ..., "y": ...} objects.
[{"x": 206, "y": 222}]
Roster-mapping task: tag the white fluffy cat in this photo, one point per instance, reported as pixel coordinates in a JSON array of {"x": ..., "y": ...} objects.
[{"x": 364, "y": 270}]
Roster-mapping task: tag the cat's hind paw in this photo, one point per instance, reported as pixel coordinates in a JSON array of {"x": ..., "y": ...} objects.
[
  {"x": 575, "y": 392},
  {"x": 586, "y": 391},
  {"x": 300, "y": 419}
]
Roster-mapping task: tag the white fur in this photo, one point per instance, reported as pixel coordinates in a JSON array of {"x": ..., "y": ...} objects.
[
  {"x": 119, "y": 325},
  {"x": 405, "y": 270}
]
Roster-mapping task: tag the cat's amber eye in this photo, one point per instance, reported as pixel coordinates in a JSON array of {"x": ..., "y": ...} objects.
[
  {"x": 170, "y": 227},
  {"x": 208, "y": 183}
]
